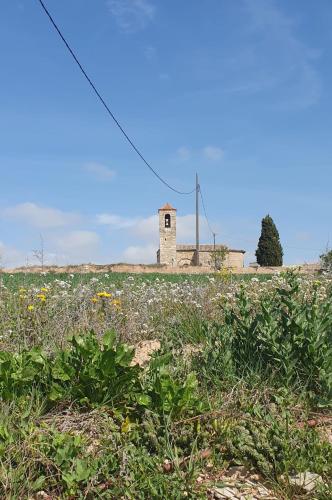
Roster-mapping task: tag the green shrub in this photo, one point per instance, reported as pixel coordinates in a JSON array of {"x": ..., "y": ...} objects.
[{"x": 286, "y": 337}]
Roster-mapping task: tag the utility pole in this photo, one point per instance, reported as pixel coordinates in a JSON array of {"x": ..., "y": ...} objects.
[
  {"x": 197, "y": 221},
  {"x": 214, "y": 250}
]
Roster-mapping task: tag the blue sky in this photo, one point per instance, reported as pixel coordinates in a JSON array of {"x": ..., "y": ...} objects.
[{"x": 239, "y": 91}]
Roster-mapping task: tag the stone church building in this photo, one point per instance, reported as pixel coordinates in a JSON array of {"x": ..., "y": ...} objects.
[{"x": 171, "y": 254}]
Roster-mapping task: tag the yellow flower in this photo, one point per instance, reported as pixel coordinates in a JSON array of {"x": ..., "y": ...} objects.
[
  {"x": 31, "y": 307},
  {"x": 43, "y": 289},
  {"x": 116, "y": 302},
  {"x": 104, "y": 294},
  {"x": 42, "y": 297},
  {"x": 94, "y": 300},
  {"x": 126, "y": 426}
]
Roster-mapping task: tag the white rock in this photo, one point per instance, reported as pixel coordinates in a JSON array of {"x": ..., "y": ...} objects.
[
  {"x": 225, "y": 493},
  {"x": 308, "y": 481},
  {"x": 263, "y": 491}
]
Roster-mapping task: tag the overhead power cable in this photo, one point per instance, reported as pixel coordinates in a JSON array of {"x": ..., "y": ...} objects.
[
  {"x": 205, "y": 213},
  {"x": 102, "y": 100},
  {"x": 250, "y": 241}
]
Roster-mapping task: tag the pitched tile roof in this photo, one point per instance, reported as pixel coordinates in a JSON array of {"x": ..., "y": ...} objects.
[
  {"x": 167, "y": 207},
  {"x": 205, "y": 248}
]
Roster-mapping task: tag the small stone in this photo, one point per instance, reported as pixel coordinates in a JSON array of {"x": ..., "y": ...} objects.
[
  {"x": 308, "y": 481},
  {"x": 250, "y": 483},
  {"x": 43, "y": 494},
  {"x": 226, "y": 492},
  {"x": 263, "y": 491},
  {"x": 236, "y": 470}
]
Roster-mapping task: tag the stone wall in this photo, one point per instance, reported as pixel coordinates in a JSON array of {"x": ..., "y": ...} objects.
[
  {"x": 187, "y": 258},
  {"x": 141, "y": 268}
]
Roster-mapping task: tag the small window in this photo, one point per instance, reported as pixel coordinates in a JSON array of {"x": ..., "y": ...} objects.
[{"x": 167, "y": 220}]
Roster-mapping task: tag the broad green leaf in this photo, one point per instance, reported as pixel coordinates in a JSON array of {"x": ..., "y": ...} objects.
[{"x": 109, "y": 339}]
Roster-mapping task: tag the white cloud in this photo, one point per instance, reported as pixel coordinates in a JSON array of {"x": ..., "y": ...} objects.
[
  {"x": 140, "y": 254},
  {"x": 76, "y": 246},
  {"x": 99, "y": 171},
  {"x": 150, "y": 53},
  {"x": 280, "y": 58},
  {"x": 186, "y": 229},
  {"x": 115, "y": 221},
  {"x": 144, "y": 228},
  {"x": 38, "y": 216},
  {"x": 131, "y": 15},
  {"x": 140, "y": 237},
  {"x": 10, "y": 256},
  {"x": 213, "y": 153},
  {"x": 147, "y": 228},
  {"x": 303, "y": 236},
  {"x": 183, "y": 153},
  {"x": 77, "y": 240}
]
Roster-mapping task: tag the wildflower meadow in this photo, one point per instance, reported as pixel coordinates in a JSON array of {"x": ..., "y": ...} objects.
[{"x": 119, "y": 386}]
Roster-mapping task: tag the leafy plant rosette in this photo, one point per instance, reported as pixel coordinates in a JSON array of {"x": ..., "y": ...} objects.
[
  {"x": 87, "y": 373},
  {"x": 94, "y": 374},
  {"x": 90, "y": 373},
  {"x": 21, "y": 372},
  {"x": 168, "y": 395}
]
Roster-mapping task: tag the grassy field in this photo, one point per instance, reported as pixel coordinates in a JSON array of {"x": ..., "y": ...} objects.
[
  {"x": 17, "y": 280},
  {"x": 237, "y": 393}
]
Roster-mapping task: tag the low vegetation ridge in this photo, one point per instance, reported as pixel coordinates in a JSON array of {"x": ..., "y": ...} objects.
[{"x": 154, "y": 268}]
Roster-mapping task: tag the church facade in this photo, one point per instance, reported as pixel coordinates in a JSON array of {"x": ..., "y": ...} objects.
[{"x": 172, "y": 254}]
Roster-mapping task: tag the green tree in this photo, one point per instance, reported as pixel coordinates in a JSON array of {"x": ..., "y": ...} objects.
[
  {"x": 269, "y": 251},
  {"x": 218, "y": 256},
  {"x": 326, "y": 261}
]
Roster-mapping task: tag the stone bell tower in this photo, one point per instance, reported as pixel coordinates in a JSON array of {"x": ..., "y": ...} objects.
[{"x": 167, "y": 235}]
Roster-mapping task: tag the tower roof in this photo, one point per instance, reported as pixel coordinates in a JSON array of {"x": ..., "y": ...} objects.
[{"x": 167, "y": 207}]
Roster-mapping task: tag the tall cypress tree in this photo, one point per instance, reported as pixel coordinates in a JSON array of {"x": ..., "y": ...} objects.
[{"x": 269, "y": 251}]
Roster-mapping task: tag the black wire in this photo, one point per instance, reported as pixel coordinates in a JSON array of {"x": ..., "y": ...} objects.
[
  {"x": 204, "y": 209},
  {"x": 106, "y": 106},
  {"x": 286, "y": 247}
]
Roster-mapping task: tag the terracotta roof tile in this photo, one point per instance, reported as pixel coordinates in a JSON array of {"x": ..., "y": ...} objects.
[
  {"x": 205, "y": 248},
  {"x": 167, "y": 207}
]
